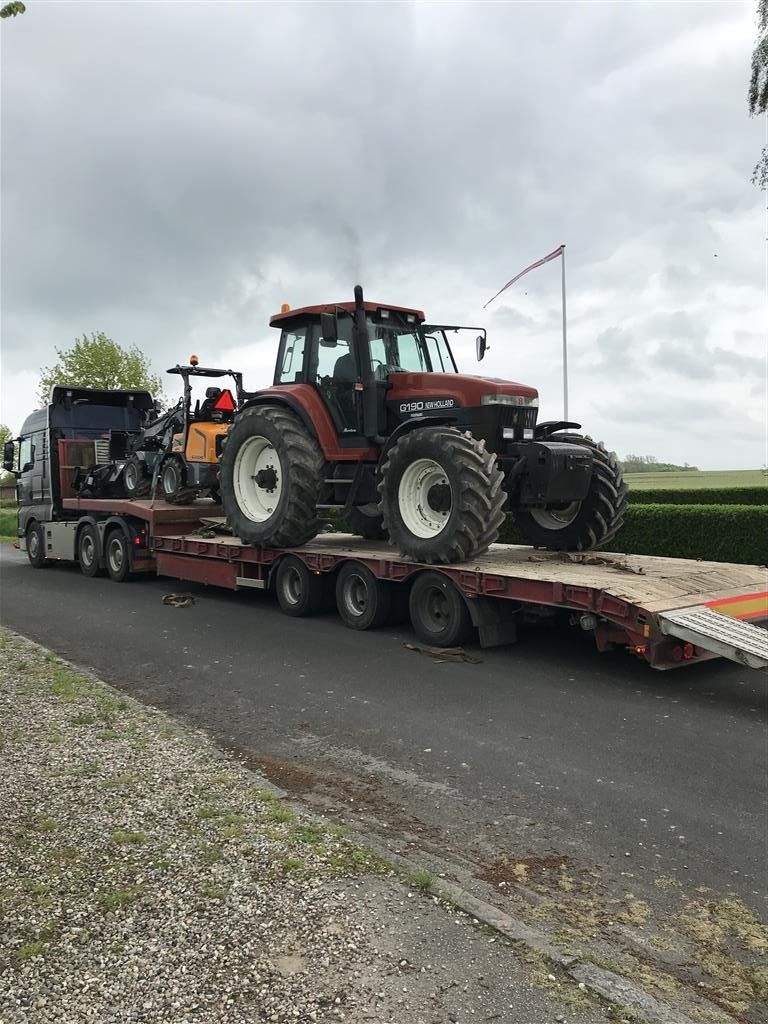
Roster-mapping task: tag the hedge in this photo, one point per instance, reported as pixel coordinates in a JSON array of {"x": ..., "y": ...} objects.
[
  {"x": 700, "y": 496},
  {"x": 718, "y": 533}
]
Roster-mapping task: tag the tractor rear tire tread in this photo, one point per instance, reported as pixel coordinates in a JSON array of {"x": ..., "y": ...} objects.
[
  {"x": 602, "y": 513},
  {"x": 476, "y": 482},
  {"x": 304, "y": 461}
]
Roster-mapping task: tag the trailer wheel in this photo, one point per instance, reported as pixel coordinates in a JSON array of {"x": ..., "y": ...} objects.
[
  {"x": 363, "y": 601},
  {"x": 36, "y": 546},
  {"x": 117, "y": 555},
  {"x": 88, "y": 551},
  {"x": 299, "y": 591},
  {"x": 439, "y": 613}
]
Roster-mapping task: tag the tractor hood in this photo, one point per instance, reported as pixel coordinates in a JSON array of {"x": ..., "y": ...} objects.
[{"x": 465, "y": 389}]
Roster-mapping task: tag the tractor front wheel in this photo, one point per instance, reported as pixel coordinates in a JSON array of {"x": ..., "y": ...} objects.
[
  {"x": 441, "y": 495},
  {"x": 173, "y": 482},
  {"x": 136, "y": 481},
  {"x": 586, "y": 524},
  {"x": 270, "y": 478}
]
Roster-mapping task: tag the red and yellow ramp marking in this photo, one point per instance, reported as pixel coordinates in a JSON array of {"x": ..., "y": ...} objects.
[{"x": 745, "y": 606}]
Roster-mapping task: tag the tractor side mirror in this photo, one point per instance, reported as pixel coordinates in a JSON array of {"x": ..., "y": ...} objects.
[
  {"x": 329, "y": 330},
  {"x": 9, "y": 456},
  {"x": 480, "y": 344}
]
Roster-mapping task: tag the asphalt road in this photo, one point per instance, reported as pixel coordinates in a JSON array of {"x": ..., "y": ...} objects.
[{"x": 545, "y": 747}]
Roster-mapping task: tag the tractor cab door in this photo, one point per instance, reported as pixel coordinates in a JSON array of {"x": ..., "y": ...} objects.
[{"x": 335, "y": 373}]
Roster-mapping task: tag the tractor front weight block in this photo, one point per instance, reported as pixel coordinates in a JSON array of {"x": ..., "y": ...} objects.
[{"x": 552, "y": 472}]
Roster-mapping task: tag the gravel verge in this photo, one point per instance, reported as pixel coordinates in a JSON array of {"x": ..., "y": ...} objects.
[{"x": 146, "y": 876}]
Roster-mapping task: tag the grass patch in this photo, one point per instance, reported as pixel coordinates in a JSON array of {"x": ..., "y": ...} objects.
[
  {"x": 116, "y": 899},
  {"x": 30, "y": 949},
  {"x": 308, "y": 834},
  {"x": 44, "y": 824},
  {"x": 281, "y": 814},
  {"x": 696, "y": 479},
  {"x": 421, "y": 880},
  {"x": 122, "y": 838}
]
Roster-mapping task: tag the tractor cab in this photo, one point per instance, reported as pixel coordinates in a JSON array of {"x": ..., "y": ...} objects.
[{"x": 347, "y": 349}]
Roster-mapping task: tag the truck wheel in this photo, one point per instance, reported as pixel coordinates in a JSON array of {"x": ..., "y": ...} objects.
[
  {"x": 173, "y": 480},
  {"x": 299, "y": 591},
  {"x": 88, "y": 551},
  {"x": 580, "y": 525},
  {"x": 117, "y": 555},
  {"x": 442, "y": 496},
  {"x": 36, "y": 546},
  {"x": 365, "y": 524},
  {"x": 439, "y": 613},
  {"x": 363, "y": 601},
  {"x": 270, "y": 478},
  {"x": 136, "y": 482}
]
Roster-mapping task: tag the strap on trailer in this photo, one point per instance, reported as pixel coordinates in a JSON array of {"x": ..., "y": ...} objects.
[{"x": 742, "y": 642}]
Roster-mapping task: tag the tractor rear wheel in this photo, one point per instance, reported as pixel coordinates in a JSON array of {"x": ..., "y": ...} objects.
[
  {"x": 586, "y": 524},
  {"x": 441, "y": 495},
  {"x": 369, "y": 525},
  {"x": 173, "y": 482},
  {"x": 136, "y": 481},
  {"x": 270, "y": 478}
]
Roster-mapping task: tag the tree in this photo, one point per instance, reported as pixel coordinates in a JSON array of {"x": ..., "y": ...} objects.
[
  {"x": 12, "y": 9},
  {"x": 757, "y": 97},
  {"x": 99, "y": 362}
]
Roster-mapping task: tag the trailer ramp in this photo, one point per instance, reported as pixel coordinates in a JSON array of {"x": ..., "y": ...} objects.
[{"x": 742, "y": 642}]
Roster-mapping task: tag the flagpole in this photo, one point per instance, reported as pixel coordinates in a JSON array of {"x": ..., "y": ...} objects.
[{"x": 565, "y": 345}]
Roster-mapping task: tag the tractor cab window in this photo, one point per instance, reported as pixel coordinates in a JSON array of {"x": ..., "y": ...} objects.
[
  {"x": 335, "y": 373},
  {"x": 397, "y": 347},
  {"x": 439, "y": 353},
  {"x": 291, "y": 364}
]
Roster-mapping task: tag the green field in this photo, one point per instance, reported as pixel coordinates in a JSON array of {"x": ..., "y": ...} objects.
[
  {"x": 8, "y": 524},
  {"x": 693, "y": 479}
]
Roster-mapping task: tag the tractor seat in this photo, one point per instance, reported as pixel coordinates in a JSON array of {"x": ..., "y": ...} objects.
[{"x": 345, "y": 368}]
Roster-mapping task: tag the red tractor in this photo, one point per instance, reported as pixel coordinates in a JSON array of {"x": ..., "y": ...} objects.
[{"x": 369, "y": 416}]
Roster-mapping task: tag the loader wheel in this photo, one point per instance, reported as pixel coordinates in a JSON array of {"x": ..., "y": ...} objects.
[
  {"x": 439, "y": 613},
  {"x": 136, "y": 482},
  {"x": 270, "y": 478},
  {"x": 580, "y": 525},
  {"x": 173, "y": 483},
  {"x": 441, "y": 495},
  {"x": 88, "y": 551},
  {"x": 363, "y": 601},
  {"x": 299, "y": 591},
  {"x": 365, "y": 524}
]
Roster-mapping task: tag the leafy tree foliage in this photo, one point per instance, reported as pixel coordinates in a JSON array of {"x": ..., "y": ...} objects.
[
  {"x": 96, "y": 361},
  {"x": 12, "y": 9},
  {"x": 650, "y": 464},
  {"x": 757, "y": 96}
]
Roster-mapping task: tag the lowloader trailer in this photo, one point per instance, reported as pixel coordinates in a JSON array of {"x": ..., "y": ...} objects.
[{"x": 668, "y": 612}]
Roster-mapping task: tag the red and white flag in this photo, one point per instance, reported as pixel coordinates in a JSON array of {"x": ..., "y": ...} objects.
[{"x": 539, "y": 263}]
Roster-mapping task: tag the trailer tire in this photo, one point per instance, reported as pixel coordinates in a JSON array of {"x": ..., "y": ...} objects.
[
  {"x": 117, "y": 556},
  {"x": 439, "y": 613},
  {"x": 36, "y": 546},
  {"x": 363, "y": 601},
  {"x": 299, "y": 591},
  {"x": 88, "y": 551}
]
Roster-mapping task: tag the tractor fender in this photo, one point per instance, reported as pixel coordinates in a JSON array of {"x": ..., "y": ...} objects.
[
  {"x": 413, "y": 424},
  {"x": 287, "y": 402}
]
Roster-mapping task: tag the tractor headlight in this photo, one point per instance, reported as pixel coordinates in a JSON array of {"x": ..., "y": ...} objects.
[{"x": 516, "y": 400}]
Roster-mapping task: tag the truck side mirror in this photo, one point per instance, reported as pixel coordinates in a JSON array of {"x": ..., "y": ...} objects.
[
  {"x": 9, "y": 456},
  {"x": 480, "y": 344},
  {"x": 329, "y": 330}
]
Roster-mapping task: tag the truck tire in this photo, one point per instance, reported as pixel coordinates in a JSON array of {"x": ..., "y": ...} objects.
[
  {"x": 441, "y": 495},
  {"x": 365, "y": 524},
  {"x": 117, "y": 556},
  {"x": 299, "y": 591},
  {"x": 88, "y": 551},
  {"x": 136, "y": 482},
  {"x": 270, "y": 478},
  {"x": 363, "y": 601},
  {"x": 36, "y": 546},
  {"x": 173, "y": 482},
  {"x": 580, "y": 525},
  {"x": 439, "y": 613}
]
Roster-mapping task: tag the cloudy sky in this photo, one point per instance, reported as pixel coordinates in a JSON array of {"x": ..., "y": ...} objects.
[{"x": 173, "y": 172}]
